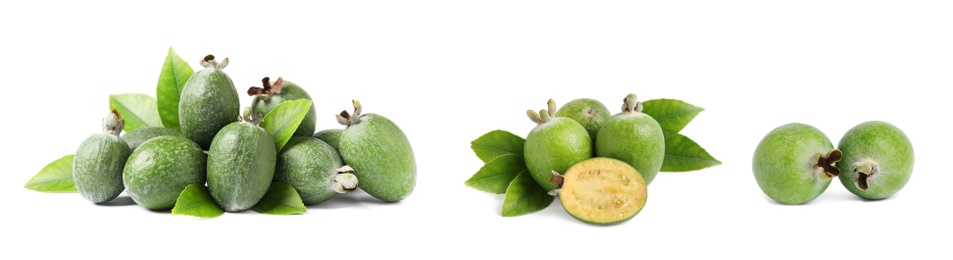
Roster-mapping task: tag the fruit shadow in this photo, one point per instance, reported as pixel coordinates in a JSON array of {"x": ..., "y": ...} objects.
[
  {"x": 123, "y": 200},
  {"x": 852, "y": 197},
  {"x": 355, "y": 199},
  {"x": 830, "y": 197}
]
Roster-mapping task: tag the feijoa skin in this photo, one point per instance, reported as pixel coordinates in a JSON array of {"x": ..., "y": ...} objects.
[
  {"x": 138, "y": 136},
  {"x": 633, "y": 137},
  {"x": 241, "y": 165},
  {"x": 208, "y": 102},
  {"x": 603, "y": 191},
  {"x": 793, "y": 164},
  {"x": 878, "y": 160},
  {"x": 331, "y": 137},
  {"x": 380, "y": 154},
  {"x": 590, "y": 113},
  {"x": 309, "y": 165},
  {"x": 158, "y": 171},
  {"x": 267, "y": 98},
  {"x": 555, "y": 144},
  {"x": 99, "y": 160}
]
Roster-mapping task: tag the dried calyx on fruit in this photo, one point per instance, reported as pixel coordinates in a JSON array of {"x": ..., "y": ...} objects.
[{"x": 268, "y": 89}]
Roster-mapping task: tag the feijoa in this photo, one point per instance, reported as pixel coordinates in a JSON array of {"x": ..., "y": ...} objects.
[
  {"x": 99, "y": 160},
  {"x": 314, "y": 169},
  {"x": 878, "y": 160},
  {"x": 208, "y": 102},
  {"x": 634, "y": 138},
  {"x": 590, "y": 113},
  {"x": 380, "y": 154},
  {"x": 241, "y": 165},
  {"x": 267, "y": 98},
  {"x": 158, "y": 171},
  {"x": 555, "y": 144},
  {"x": 331, "y": 137},
  {"x": 794, "y": 163}
]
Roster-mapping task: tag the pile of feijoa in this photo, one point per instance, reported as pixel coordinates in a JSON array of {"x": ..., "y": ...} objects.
[
  {"x": 598, "y": 164},
  {"x": 268, "y": 158}
]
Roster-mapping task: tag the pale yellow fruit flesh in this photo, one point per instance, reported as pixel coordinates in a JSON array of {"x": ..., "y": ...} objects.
[{"x": 603, "y": 191}]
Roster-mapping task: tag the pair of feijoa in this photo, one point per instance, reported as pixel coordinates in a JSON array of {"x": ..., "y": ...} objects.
[
  {"x": 371, "y": 151},
  {"x": 795, "y": 163},
  {"x": 629, "y": 148},
  {"x": 106, "y": 164},
  {"x": 377, "y": 154}
]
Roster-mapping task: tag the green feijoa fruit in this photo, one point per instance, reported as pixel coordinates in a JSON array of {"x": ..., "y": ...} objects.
[
  {"x": 208, "y": 102},
  {"x": 634, "y": 138},
  {"x": 331, "y": 137},
  {"x": 158, "y": 171},
  {"x": 793, "y": 163},
  {"x": 590, "y": 113},
  {"x": 241, "y": 165},
  {"x": 380, "y": 154},
  {"x": 98, "y": 162},
  {"x": 267, "y": 98},
  {"x": 878, "y": 160},
  {"x": 602, "y": 191},
  {"x": 555, "y": 144},
  {"x": 136, "y": 137},
  {"x": 314, "y": 169}
]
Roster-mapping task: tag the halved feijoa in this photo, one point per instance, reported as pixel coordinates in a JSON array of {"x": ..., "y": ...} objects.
[{"x": 602, "y": 191}]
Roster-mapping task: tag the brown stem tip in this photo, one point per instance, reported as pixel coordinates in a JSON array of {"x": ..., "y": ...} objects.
[
  {"x": 826, "y": 162},
  {"x": 557, "y": 179},
  {"x": 267, "y": 90}
]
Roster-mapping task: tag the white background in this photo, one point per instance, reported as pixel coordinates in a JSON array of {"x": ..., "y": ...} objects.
[{"x": 449, "y": 71}]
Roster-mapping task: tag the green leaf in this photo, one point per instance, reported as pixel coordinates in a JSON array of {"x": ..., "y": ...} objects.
[
  {"x": 196, "y": 201},
  {"x": 55, "y": 177},
  {"x": 282, "y": 121},
  {"x": 672, "y": 114},
  {"x": 525, "y": 196},
  {"x": 497, "y": 143},
  {"x": 281, "y": 199},
  {"x": 139, "y": 110},
  {"x": 175, "y": 72},
  {"x": 496, "y": 175},
  {"x": 682, "y": 155}
]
